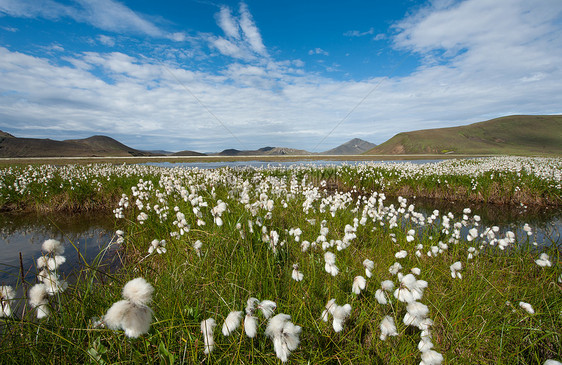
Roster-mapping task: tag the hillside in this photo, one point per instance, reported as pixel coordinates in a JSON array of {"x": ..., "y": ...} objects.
[
  {"x": 265, "y": 151},
  {"x": 187, "y": 153},
  {"x": 96, "y": 146},
  {"x": 355, "y": 146},
  {"x": 515, "y": 135}
]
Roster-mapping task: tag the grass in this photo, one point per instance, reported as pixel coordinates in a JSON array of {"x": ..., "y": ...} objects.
[
  {"x": 477, "y": 319},
  {"x": 520, "y": 135}
]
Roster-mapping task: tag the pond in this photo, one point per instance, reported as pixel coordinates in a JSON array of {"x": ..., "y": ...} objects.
[
  {"x": 83, "y": 235},
  {"x": 265, "y": 164}
]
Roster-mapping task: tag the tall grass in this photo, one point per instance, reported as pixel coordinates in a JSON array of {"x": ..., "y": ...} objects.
[{"x": 477, "y": 319}]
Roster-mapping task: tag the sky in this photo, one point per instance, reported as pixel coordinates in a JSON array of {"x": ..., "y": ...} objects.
[{"x": 206, "y": 76}]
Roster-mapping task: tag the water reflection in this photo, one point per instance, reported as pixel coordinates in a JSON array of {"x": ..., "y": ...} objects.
[
  {"x": 83, "y": 236},
  {"x": 265, "y": 164}
]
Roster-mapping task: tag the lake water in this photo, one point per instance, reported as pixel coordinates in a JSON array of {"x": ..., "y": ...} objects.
[
  {"x": 264, "y": 164},
  {"x": 84, "y": 235}
]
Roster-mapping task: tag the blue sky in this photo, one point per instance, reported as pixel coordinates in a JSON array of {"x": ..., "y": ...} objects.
[{"x": 206, "y": 76}]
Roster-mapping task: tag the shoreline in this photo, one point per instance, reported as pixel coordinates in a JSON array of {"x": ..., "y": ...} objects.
[{"x": 203, "y": 159}]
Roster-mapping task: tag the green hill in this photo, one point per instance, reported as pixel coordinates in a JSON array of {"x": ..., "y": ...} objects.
[{"x": 512, "y": 135}]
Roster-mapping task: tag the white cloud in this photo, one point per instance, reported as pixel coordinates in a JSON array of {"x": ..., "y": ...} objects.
[
  {"x": 106, "y": 40},
  {"x": 251, "y": 32},
  {"x": 242, "y": 37},
  {"x": 227, "y": 23},
  {"x": 356, "y": 33},
  {"x": 474, "y": 67},
  {"x": 108, "y": 15},
  {"x": 318, "y": 51}
]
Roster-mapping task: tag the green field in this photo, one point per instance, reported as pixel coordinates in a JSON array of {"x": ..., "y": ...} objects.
[
  {"x": 519, "y": 135},
  {"x": 456, "y": 291}
]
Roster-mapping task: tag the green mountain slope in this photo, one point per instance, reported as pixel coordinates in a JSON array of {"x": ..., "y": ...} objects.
[{"x": 514, "y": 135}]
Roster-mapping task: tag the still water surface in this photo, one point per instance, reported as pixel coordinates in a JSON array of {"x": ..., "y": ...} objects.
[{"x": 84, "y": 235}]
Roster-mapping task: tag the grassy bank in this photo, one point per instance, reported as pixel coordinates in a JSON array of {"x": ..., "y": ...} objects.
[{"x": 235, "y": 234}]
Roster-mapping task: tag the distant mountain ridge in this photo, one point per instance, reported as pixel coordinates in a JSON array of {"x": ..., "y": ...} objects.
[
  {"x": 264, "y": 151},
  {"x": 356, "y": 146},
  {"x": 510, "y": 135},
  {"x": 95, "y": 146}
]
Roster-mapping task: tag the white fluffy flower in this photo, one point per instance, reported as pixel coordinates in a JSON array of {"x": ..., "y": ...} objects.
[
  {"x": 395, "y": 268},
  {"x": 158, "y": 246},
  {"x": 52, "y": 246},
  {"x": 387, "y": 285},
  {"x": 543, "y": 260},
  {"x": 340, "y": 314},
  {"x": 388, "y": 328},
  {"x": 6, "y": 295},
  {"x": 132, "y": 314},
  {"x": 284, "y": 334},
  {"x": 527, "y": 307},
  {"x": 455, "y": 270},
  {"x": 250, "y": 325},
  {"x": 267, "y": 307},
  {"x": 38, "y": 298},
  {"x": 431, "y": 357},
  {"x": 330, "y": 308},
  {"x": 207, "y": 327},
  {"x": 401, "y": 254},
  {"x": 296, "y": 274},
  {"x": 231, "y": 322},
  {"x": 369, "y": 266},
  {"x": 381, "y": 297},
  {"x": 359, "y": 284}
]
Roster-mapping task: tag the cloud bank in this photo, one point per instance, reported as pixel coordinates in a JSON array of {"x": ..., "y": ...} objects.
[{"x": 478, "y": 60}]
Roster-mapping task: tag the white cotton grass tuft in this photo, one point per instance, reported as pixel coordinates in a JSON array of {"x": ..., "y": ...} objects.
[
  {"x": 138, "y": 291},
  {"x": 52, "y": 282},
  {"x": 330, "y": 307},
  {"x": 395, "y": 268},
  {"x": 231, "y": 322},
  {"x": 7, "y": 294},
  {"x": 552, "y": 362},
  {"x": 52, "y": 246},
  {"x": 369, "y": 266},
  {"x": 340, "y": 314},
  {"x": 207, "y": 327},
  {"x": 267, "y": 307},
  {"x": 296, "y": 274},
  {"x": 387, "y": 285},
  {"x": 359, "y": 284},
  {"x": 158, "y": 246},
  {"x": 197, "y": 247},
  {"x": 381, "y": 297},
  {"x": 284, "y": 334},
  {"x": 527, "y": 307},
  {"x": 455, "y": 270},
  {"x": 50, "y": 263},
  {"x": 388, "y": 328},
  {"x": 543, "y": 260},
  {"x": 39, "y": 299},
  {"x": 250, "y": 325},
  {"x": 431, "y": 357},
  {"x": 132, "y": 314},
  {"x": 401, "y": 254},
  {"x": 330, "y": 263}
]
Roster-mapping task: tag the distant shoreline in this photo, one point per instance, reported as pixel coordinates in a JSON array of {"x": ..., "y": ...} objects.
[{"x": 265, "y": 158}]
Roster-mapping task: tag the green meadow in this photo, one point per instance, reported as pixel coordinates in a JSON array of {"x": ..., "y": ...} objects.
[{"x": 408, "y": 287}]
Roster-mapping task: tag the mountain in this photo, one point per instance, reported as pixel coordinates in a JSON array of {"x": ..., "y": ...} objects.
[
  {"x": 265, "y": 151},
  {"x": 356, "y": 146},
  {"x": 513, "y": 135},
  {"x": 187, "y": 153},
  {"x": 96, "y": 146}
]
